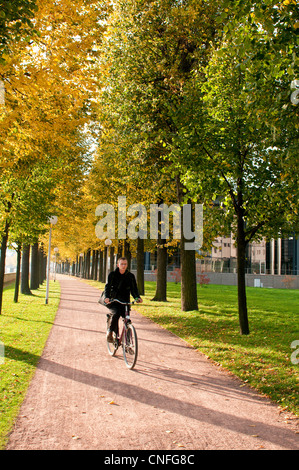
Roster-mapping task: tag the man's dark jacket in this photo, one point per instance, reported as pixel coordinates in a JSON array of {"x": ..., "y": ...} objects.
[{"x": 119, "y": 286}]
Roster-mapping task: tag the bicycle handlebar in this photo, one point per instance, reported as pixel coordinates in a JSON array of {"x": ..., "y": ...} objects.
[{"x": 120, "y": 302}]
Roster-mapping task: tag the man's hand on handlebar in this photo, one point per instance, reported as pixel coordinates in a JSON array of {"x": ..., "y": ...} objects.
[{"x": 108, "y": 301}]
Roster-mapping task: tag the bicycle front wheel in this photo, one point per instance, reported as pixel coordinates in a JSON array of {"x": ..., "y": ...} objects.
[{"x": 130, "y": 346}]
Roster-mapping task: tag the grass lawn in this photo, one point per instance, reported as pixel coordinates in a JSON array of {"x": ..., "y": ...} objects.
[
  {"x": 263, "y": 358},
  {"x": 24, "y": 329}
]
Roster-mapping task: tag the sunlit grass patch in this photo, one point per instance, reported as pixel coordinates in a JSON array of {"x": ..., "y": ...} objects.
[{"x": 24, "y": 329}]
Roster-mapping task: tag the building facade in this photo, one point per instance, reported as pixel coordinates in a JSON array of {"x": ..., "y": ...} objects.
[{"x": 279, "y": 257}]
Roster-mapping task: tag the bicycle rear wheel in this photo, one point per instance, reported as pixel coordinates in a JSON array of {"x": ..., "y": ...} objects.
[
  {"x": 112, "y": 347},
  {"x": 130, "y": 346}
]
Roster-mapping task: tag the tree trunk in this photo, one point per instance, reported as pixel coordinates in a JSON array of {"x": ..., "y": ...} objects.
[
  {"x": 95, "y": 260},
  {"x": 17, "y": 284},
  {"x": 111, "y": 256},
  {"x": 188, "y": 261},
  {"x": 120, "y": 249},
  {"x": 241, "y": 265},
  {"x": 2, "y": 261},
  {"x": 42, "y": 259},
  {"x": 161, "y": 285},
  {"x": 127, "y": 253},
  {"x": 87, "y": 265},
  {"x": 34, "y": 274},
  {"x": 81, "y": 265},
  {"x": 25, "y": 270},
  {"x": 92, "y": 264},
  {"x": 140, "y": 266},
  {"x": 188, "y": 273},
  {"x": 101, "y": 267},
  {"x": 188, "y": 281}
]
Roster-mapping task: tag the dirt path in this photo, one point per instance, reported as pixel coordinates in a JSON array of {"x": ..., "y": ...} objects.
[{"x": 174, "y": 399}]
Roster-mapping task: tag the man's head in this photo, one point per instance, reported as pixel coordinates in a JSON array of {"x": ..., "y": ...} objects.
[{"x": 122, "y": 265}]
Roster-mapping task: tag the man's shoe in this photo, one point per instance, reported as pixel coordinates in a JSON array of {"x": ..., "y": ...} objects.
[{"x": 110, "y": 337}]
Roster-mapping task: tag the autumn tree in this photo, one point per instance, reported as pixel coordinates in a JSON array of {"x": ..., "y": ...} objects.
[
  {"x": 153, "y": 49},
  {"x": 47, "y": 109},
  {"x": 242, "y": 147}
]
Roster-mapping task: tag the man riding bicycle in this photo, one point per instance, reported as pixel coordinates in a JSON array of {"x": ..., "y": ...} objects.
[{"x": 121, "y": 283}]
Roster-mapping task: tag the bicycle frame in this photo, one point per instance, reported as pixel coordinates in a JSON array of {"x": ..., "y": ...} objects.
[
  {"x": 127, "y": 338},
  {"x": 126, "y": 320}
]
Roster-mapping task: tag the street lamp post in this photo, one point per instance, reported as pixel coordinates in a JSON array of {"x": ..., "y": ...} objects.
[{"x": 52, "y": 221}]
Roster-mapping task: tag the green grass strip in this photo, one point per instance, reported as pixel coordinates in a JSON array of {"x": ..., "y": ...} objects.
[{"x": 24, "y": 329}]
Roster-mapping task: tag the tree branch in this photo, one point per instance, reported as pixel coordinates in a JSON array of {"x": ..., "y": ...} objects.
[{"x": 230, "y": 189}]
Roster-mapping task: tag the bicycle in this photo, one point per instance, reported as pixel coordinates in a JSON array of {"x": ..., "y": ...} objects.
[{"x": 127, "y": 339}]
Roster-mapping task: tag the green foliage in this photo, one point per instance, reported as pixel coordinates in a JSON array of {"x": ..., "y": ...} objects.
[
  {"x": 150, "y": 51},
  {"x": 200, "y": 92},
  {"x": 15, "y": 21},
  {"x": 244, "y": 139}
]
